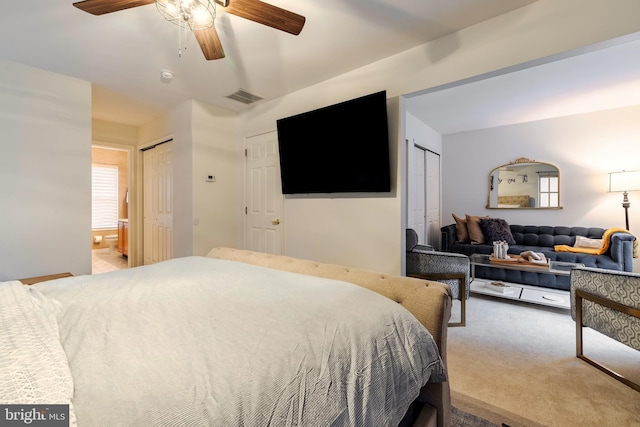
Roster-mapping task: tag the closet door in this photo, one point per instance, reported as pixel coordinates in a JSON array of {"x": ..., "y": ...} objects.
[
  {"x": 417, "y": 192},
  {"x": 424, "y": 195},
  {"x": 158, "y": 203},
  {"x": 432, "y": 198}
]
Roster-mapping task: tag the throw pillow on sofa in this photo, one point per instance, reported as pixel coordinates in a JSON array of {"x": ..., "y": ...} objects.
[
  {"x": 585, "y": 242},
  {"x": 476, "y": 236},
  {"x": 496, "y": 230},
  {"x": 462, "y": 235}
]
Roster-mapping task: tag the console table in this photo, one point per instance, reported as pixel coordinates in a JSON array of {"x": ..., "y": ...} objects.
[{"x": 533, "y": 294}]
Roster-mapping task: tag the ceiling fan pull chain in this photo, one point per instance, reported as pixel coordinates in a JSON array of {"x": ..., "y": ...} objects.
[
  {"x": 179, "y": 41},
  {"x": 182, "y": 36},
  {"x": 185, "y": 37}
]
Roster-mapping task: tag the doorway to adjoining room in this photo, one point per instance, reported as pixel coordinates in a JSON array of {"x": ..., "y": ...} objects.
[{"x": 109, "y": 209}]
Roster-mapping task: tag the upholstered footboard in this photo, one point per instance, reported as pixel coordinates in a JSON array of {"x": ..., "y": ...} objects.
[{"x": 429, "y": 302}]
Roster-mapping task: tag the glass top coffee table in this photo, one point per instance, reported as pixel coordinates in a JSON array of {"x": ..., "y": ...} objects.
[
  {"x": 554, "y": 267},
  {"x": 534, "y": 294}
]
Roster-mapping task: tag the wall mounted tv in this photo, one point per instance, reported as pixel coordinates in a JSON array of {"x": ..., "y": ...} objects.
[{"x": 342, "y": 148}]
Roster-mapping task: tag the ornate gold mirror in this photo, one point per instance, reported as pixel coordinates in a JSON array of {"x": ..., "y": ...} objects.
[{"x": 524, "y": 184}]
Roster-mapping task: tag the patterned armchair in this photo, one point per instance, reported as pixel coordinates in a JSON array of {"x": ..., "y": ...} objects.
[
  {"x": 607, "y": 301},
  {"x": 446, "y": 267}
]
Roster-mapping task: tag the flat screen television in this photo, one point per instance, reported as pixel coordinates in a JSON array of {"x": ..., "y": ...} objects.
[{"x": 342, "y": 148}]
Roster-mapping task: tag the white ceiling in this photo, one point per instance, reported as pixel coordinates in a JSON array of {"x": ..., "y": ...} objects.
[
  {"x": 605, "y": 77},
  {"x": 122, "y": 53}
]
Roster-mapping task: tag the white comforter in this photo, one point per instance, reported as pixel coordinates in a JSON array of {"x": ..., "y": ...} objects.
[{"x": 205, "y": 342}]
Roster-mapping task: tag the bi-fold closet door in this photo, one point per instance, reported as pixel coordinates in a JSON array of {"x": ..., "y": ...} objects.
[
  {"x": 423, "y": 190},
  {"x": 158, "y": 203}
]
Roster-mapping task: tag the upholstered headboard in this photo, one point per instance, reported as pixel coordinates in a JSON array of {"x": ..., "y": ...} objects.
[{"x": 522, "y": 201}]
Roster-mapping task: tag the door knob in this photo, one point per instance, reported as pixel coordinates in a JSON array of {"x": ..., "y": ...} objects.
[{"x": 275, "y": 221}]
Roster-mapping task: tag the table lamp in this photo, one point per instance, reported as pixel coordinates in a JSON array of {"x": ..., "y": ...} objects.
[{"x": 624, "y": 182}]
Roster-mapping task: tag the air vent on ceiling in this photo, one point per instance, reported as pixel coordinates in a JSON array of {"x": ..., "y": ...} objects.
[{"x": 245, "y": 97}]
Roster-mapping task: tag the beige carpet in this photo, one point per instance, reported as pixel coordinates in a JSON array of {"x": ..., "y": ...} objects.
[{"x": 515, "y": 363}]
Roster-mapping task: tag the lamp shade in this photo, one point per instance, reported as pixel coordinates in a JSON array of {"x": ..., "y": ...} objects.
[{"x": 624, "y": 181}]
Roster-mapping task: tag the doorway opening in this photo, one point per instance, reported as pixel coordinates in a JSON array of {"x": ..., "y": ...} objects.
[{"x": 110, "y": 169}]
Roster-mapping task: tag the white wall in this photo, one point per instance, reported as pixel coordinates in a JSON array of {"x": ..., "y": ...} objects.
[
  {"x": 362, "y": 228},
  {"x": 544, "y": 28},
  {"x": 419, "y": 133},
  {"x": 214, "y": 151},
  {"x": 114, "y": 133},
  {"x": 585, "y": 148},
  {"x": 205, "y": 142},
  {"x": 45, "y": 173}
]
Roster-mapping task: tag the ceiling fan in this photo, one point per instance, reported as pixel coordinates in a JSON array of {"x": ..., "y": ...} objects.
[{"x": 187, "y": 13}]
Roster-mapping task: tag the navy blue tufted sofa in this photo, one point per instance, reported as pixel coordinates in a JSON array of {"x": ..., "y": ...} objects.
[{"x": 543, "y": 239}]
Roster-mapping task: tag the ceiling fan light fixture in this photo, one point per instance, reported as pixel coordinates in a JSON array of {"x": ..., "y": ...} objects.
[
  {"x": 191, "y": 14},
  {"x": 199, "y": 16}
]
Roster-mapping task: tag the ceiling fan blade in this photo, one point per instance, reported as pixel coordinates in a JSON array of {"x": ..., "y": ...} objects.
[
  {"x": 210, "y": 43},
  {"x": 100, "y": 7},
  {"x": 267, "y": 14}
]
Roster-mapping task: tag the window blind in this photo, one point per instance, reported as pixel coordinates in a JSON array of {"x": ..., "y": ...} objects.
[{"x": 104, "y": 196}]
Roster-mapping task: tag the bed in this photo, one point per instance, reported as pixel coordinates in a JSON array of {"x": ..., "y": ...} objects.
[{"x": 236, "y": 338}]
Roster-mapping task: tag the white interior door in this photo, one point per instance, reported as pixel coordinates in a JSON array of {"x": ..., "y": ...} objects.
[
  {"x": 264, "y": 198},
  {"x": 423, "y": 194},
  {"x": 158, "y": 203},
  {"x": 432, "y": 200},
  {"x": 417, "y": 192}
]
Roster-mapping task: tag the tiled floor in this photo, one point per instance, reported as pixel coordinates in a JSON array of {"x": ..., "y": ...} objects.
[{"x": 103, "y": 260}]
